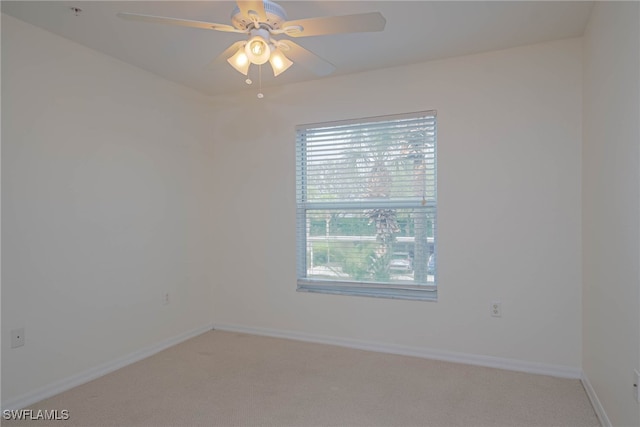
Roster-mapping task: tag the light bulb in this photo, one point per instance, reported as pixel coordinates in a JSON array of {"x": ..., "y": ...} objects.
[
  {"x": 241, "y": 59},
  {"x": 257, "y": 47},
  {"x": 258, "y": 50}
]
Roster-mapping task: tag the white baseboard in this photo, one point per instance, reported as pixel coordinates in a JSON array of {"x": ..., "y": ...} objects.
[
  {"x": 447, "y": 356},
  {"x": 98, "y": 371},
  {"x": 595, "y": 402}
]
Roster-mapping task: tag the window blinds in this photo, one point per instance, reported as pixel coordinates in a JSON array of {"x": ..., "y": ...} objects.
[{"x": 366, "y": 196}]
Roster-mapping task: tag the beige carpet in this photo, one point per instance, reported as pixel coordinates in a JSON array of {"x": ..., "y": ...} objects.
[{"x": 229, "y": 379}]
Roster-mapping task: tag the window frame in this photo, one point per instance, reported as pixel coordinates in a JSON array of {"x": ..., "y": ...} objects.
[{"x": 422, "y": 292}]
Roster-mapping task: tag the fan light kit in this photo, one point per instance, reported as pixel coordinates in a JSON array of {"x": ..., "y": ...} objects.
[{"x": 262, "y": 19}]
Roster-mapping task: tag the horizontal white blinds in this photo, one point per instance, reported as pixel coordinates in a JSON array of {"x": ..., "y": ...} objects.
[
  {"x": 366, "y": 206},
  {"x": 382, "y": 159}
]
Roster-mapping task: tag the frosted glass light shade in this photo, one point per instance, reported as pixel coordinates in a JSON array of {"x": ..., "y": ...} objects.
[
  {"x": 257, "y": 50},
  {"x": 279, "y": 62},
  {"x": 240, "y": 61}
]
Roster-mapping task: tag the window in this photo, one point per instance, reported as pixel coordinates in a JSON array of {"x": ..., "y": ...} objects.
[{"x": 366, "y": 206}]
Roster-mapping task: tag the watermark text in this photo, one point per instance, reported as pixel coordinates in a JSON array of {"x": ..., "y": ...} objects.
[{"x": 36, "y": 414}]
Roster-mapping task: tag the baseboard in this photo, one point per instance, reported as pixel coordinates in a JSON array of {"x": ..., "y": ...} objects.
[
  {"x": 98, "y": 371},
  {"x": 595, "y": 402},
  {"x": 447, "y": 356}
]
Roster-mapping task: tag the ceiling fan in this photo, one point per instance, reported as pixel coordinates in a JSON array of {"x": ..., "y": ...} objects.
[{"x": 260, "y": 21}]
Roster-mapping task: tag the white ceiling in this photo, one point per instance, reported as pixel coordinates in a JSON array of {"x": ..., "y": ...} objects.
[{"x": 416, "y": 31}]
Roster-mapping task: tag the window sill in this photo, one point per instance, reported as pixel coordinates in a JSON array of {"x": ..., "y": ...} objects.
[{"x": 410, "y": 292}]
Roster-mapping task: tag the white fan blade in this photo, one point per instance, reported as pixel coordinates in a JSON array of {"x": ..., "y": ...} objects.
[
  {"x": 359, "y": 23},
  {"x": 305, "y": 58},
  {"x": 253, "y": 8},
  {"x": 228, "y": 52},
  {"x": 180, "y": 22}
]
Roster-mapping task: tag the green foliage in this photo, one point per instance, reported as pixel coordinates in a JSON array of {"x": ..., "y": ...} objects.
[
  {"x": 379, "y": 266},
  {"x": 357, "y": 265},
  {"x": 320, "y": 253}
]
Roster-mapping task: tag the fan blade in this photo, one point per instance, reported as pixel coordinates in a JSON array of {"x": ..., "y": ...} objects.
[
  {"x": 180, "y": 22},
  {"x": 228, "y": 52},
  {"x": 253, "y": 8},
  {"x": 359, "y": 23},
  {"x": 307, "y": 59}
]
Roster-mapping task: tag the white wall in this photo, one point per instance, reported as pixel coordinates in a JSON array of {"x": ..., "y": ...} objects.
[
  {"x": 106, "y": 206},
  {"x": 113, "y": 195},
  {"x": 611, "y": 207},
  {"x": 509, "y": 128}
]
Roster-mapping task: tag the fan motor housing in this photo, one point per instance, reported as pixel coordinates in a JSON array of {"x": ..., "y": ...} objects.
[{"x": 276, "y": 16}]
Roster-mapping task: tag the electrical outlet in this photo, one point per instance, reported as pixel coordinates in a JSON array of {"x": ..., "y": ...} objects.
[
  {"x": 165, "y": 299},
  {"x": 496, "y": 309},
  {"x": 636, "y": 384},
  {"x": 17, "y": 338}
]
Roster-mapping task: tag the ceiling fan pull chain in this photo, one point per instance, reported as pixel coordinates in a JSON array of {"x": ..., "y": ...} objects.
[{"x": 260, "y": 94}]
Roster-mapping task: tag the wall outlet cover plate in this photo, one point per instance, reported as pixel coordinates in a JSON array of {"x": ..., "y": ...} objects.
[{"x": 17, "y": 337}]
